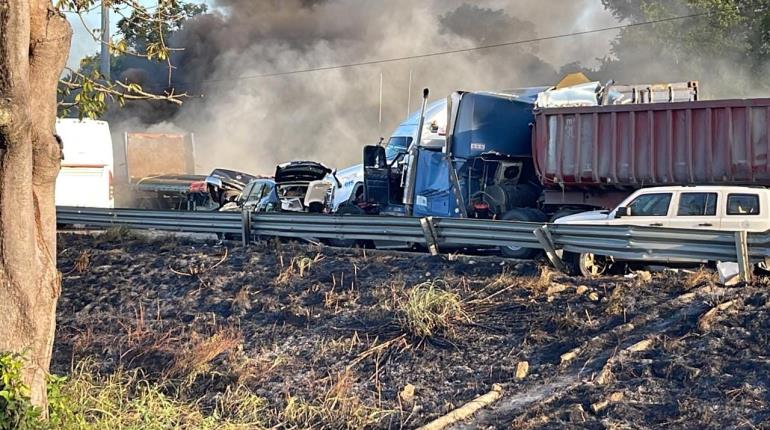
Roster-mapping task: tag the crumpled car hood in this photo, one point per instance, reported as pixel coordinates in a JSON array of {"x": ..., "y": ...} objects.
[{"x": 300, "y": 171}]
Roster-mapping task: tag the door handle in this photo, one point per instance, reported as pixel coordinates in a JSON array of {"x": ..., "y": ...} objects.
[
  {"x": 656, "y": 224},
  {"x": 706, "y": 224}
]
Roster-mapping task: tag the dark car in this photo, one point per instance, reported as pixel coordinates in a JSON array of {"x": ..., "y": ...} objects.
[{"x": 259, "y": 195}]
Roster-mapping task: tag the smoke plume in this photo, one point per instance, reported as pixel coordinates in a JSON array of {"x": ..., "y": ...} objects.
[{"x": 252, "y": 123}]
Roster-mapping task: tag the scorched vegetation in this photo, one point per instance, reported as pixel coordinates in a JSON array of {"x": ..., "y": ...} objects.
[{"x": 289, "y": 336}]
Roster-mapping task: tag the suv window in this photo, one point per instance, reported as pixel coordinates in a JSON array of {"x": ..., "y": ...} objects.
[
  {"x": 697, "y": 204},
  {"x": 650, "y": 205},
  {"x": 246, "y": 191},
  {"x": 742, "y": 204},
  {"x": 266, "y": 189}
]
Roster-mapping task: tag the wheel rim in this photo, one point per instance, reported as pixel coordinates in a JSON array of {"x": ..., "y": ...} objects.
[{"x": 593, "y": 265}]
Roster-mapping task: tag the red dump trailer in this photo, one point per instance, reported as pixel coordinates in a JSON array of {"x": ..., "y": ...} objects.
[{"x": 597, "y": 155}]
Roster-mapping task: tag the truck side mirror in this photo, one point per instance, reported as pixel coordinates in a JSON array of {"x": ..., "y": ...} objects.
[{"x": 621, "y": 212}]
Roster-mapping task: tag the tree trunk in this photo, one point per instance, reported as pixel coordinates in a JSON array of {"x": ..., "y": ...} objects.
[{"x": 34, "y": 44}]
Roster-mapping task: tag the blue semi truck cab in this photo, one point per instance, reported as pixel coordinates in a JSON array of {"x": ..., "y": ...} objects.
[{"x": 483, "y": 167}]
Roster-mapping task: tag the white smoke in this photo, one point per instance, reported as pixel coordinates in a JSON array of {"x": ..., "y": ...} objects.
[{"x": 254, "y": 124}]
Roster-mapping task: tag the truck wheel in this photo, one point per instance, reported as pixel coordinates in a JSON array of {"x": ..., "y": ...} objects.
[
  {"x": 519, "y": 252},
  {"x": 343, "y": 210},
  {"x": 536, "y": 215},
  {"x": 149, "y": 204}
]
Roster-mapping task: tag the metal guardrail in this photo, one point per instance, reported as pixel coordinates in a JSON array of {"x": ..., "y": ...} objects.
[
  {"x": 469, "y": 232},
  {"x": 646, "y": 243},
  {"x": 341, "y": 227},
  {"x": 624, "y": 242},
  {"x": 189, "y": 222}
]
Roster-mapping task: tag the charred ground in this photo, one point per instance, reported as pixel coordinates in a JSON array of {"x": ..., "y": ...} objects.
[{"x": 323, "y": 336}]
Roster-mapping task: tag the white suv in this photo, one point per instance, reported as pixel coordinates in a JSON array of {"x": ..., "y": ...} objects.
[{"x": 693, "y": 207}]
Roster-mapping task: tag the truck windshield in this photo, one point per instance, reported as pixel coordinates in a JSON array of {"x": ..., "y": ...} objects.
[{"x": 397, "y": 145}]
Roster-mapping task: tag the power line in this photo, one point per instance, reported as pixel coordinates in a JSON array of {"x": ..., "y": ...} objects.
[{"x": 453, "y": 51}]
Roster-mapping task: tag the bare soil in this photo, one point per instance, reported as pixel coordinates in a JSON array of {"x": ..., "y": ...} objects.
[{"x": 293, "y": 321}]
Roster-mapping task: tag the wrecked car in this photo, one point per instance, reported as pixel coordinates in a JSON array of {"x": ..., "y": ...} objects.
[
  {"x": 300, "y": 186},
  {"x": 258, "y": 196},
  {"x": 189, "y": 192},
  {"x": 221, "y": 187}
]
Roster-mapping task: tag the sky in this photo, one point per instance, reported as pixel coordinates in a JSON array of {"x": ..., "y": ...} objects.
[{"x": 83, "y": 43}]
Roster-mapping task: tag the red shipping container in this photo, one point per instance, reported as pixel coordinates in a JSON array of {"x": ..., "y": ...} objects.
[{"x": 633, "y": 146}]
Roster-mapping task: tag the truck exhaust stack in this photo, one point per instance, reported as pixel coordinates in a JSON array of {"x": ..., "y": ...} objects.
[{"x": 411, "y": 169}]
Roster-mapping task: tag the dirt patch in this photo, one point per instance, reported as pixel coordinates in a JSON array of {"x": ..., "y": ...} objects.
[{"x": 298, "y": 324}]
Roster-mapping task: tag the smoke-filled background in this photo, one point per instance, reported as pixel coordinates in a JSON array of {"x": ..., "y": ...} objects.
[{"x": 252, "y": 123}]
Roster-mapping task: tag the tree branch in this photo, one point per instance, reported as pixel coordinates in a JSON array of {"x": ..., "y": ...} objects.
[{"x": 116, "y": 90}]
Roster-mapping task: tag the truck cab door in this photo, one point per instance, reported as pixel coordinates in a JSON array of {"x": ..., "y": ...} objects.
[
  {"x": 376, "y": 176},
  {"x": 697, "y": 210},
  {"x": 434, "y": 193},
  {"x": 647, "y": 210}
]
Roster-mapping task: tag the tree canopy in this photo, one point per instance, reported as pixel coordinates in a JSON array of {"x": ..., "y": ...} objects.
[{"x": 722, "y": 36}]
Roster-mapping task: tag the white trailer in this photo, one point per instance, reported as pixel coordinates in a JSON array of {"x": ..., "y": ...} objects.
[{"x": 86, "y": 174}]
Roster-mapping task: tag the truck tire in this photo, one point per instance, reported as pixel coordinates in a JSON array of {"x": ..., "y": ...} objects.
[
  {"x": 151, "y": 204},
  {"x": 536, "y": 215},
  {"x": 518, "y": 252},
  {"x": 343, "y": 210}
]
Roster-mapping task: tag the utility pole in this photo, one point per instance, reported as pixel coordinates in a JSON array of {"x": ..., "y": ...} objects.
[
  {"x": 104, "y": 58},
  {"x": 409, "y": 96},
  {"x": 380, "y": 113}
]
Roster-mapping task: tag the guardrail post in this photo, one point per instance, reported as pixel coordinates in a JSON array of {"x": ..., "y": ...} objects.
[
  {"x": 742, "y": 252},
  {"x": 245, "y": 227},
  {"x": 430, "y": 235},
  {"x": 544, "y": 237}
]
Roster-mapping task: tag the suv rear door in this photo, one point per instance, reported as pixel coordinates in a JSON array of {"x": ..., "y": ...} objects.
[
  {"x": 696, "y": 209},
  {"x": 744, "y": 211}
]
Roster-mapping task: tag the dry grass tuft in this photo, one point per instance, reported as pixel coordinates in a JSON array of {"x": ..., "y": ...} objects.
[
  {"x": 82, "y": 262},
  {"x": 298, "y": 267},
  {"x": 242, "y": 299},
  {"x": 241, "y": 405},
  {"x": 202, "y": 351},
  {"x": 430, "y": 310},
  {"x": 127, "y": 400},
  {"x": 540, "y": 283},
  {"x": 255, "y": 370},
  {"x": 702, "y": 276},
  {"x": 338, "y": 408},
  {"x": 616, "y": 301}
]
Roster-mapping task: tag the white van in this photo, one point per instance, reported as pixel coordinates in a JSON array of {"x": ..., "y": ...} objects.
[{"x": 85, "y": 178}]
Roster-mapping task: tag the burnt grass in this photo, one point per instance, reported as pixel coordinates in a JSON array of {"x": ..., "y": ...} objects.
[{"x": 286, "y": 320}]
